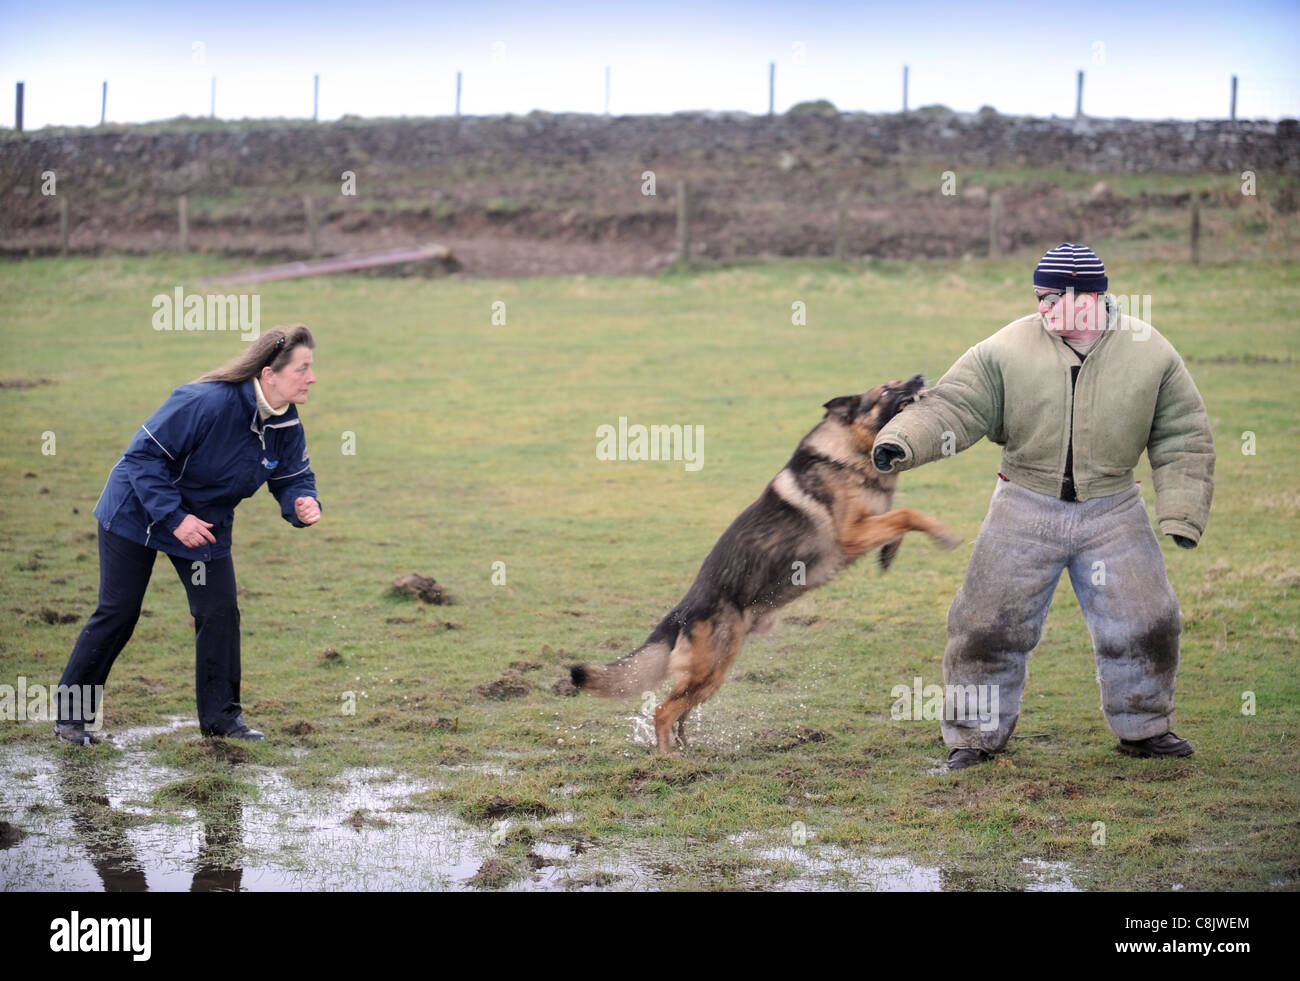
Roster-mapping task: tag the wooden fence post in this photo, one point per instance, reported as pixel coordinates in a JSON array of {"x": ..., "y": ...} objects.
[
  {"x": 995, "y": 221},
  {"x": 1196, "y": 231},
  {"x": 683, "y": 228},
  {"x": 63, "y": 225},
  {"x": 841, "y": 205},
  {"x": 313, "y": 229},
  {"x": 183, "y": 215}
]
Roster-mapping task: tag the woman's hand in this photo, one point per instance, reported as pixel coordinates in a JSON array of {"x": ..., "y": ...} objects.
[
  {"x": 193, "y": 532},
  {"x": 307, "y": 509}
]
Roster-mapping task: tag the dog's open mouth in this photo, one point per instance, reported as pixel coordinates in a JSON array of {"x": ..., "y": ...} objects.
[{"x": 909, "y": 399}]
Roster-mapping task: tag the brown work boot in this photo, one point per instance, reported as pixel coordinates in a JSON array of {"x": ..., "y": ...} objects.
[
  {"x": 1165, "y": 744},
  {"x": 959, "y": 759}
]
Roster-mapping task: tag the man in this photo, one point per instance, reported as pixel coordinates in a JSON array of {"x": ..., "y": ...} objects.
[{"x": 1073, "y": 394}]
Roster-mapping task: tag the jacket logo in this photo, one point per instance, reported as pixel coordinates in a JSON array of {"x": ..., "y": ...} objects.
[{"x": 270, "y": 464}]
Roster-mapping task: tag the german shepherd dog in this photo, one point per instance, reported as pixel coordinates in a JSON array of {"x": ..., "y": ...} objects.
[{"x": 827, "y": 508}]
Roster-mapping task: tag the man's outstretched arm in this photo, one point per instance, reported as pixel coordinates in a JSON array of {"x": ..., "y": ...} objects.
[{"x": 964, "y": 406}]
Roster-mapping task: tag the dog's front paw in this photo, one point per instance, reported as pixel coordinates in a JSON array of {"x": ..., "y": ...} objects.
[{"x": 948, "y": 539}]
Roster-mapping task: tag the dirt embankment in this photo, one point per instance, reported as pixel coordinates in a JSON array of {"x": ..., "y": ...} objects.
[{"x": 570, "y": 193}]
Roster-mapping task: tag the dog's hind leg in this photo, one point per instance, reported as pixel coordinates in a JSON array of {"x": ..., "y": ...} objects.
[
  {"x": 679, "y": 729},
  {"x": 699, "y": 665}
]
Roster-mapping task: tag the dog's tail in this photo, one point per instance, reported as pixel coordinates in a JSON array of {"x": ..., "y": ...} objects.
[{"x": 633, "y": 673}]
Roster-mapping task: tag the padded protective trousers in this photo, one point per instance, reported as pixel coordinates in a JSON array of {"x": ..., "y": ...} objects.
[{"x": 1118, "y": 575}]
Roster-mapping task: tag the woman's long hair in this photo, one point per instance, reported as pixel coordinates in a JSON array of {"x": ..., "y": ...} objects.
[{"x": 274, "y": 348}]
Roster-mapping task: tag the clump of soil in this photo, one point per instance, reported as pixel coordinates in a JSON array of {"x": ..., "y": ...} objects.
[
  {"x": 329, "y": 657},
  {"x": 495, "y": 807},
  {"x": 10, "y": 834},
  {"x": 565, "y": 687},
  {"x": 54, "y": 616},
  {"x": 596, "y": 880},
  {"x": 361, "y": 818},
  {"x": 421, "y": 587},
  {"x": 300, "y": 728},
  {"x": 221, "y": 749},
  {"x": 23, "y": 383},
  {"x": 807, "y": 621},
  {"x": 779, "y": 740},
  {"x": 506, "y": 687},
  {"x": 493, "y": 874},
  {"x": 522, "y": 666}
]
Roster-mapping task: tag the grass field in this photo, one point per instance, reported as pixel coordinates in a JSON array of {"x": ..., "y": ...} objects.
[{"x": 475, "y": 444}]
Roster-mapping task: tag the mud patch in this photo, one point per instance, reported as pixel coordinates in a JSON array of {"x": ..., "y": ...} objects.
[
  {"x": 1051, "y": 789},
  {"x": 362, "y": 818},
  {"x": 423, "y": 588},
  {"x": 442, "y": 723},
  {"x": 23, "y": 382},
  {"x": 802, "y": 621},
  {"x": 329, "y": 658},
  {"x": 221, "y": 749},
  {"x": 496, "y": 807},
  {"x": 10, "y": 834},
  {"x": 641, "y": 779},
  {"x": 503, "y": 688},
  {"x": 494, "y": 873},
  {"x": 565, "y": 688},
  {"x": 54, "y": 616},
  {"x": 300, "y": 728},
  {"x": 780, "y": 740}
]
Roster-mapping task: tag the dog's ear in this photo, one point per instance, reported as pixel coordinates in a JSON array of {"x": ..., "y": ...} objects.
[{"x": 842, "y": 407}]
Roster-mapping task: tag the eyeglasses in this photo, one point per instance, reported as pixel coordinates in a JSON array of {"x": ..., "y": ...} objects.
[{"x": 1051, "y": 298}]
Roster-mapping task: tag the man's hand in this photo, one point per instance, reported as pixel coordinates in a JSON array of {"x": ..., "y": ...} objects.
[
  {"x": 884, "y": 455},
  {"x": 307, "y": 510},
  {"x": 193, "y": 532},
  {"x": 1183, "y": 542}
]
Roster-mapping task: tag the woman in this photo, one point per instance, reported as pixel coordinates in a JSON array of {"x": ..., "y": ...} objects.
[{"x": 209, "y": 446}]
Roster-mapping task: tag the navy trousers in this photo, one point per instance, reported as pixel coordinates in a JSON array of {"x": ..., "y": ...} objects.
[{"x": 124, "y": 571}]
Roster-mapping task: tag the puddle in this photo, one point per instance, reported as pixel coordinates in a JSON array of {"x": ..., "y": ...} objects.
[
  {"x": 92, "y": 825},
  {"x": 1049, "y": 876}
]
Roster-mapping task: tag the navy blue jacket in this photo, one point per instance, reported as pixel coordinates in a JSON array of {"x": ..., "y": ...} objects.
[{"x": 201, "y": 453}]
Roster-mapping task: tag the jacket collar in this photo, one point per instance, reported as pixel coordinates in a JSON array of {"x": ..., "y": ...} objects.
[
  {"x": 1112, "y": 326},
  {"x": 248, "y": 404}
]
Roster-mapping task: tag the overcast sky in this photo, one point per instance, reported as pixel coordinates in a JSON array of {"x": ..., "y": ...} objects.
[{"x": 382, "y": 58}]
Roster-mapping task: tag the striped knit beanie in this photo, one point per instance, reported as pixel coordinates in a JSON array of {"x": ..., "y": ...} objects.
[{"x": 1069, "y": 265}]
